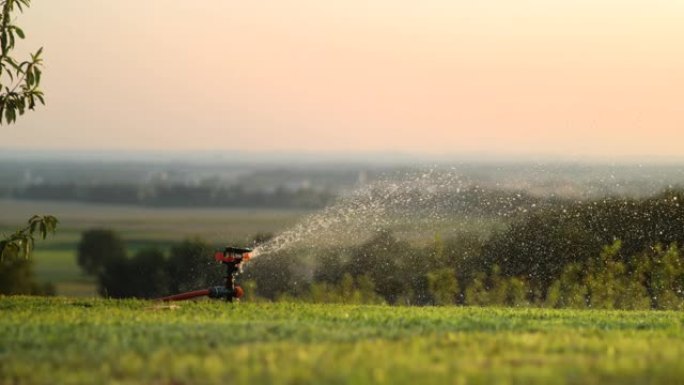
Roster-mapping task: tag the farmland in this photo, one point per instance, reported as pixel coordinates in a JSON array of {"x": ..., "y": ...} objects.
[
  {"x": 55, "y": 258},
  {"x": 98, "y": 341},
  {"x": 141, "y": 227}
]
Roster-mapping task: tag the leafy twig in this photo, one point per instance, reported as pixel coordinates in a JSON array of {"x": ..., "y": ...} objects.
[{"x": 20, "y": 244}]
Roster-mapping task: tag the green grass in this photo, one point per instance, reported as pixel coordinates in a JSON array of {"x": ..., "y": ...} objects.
[{"x": 70, "y": 341}]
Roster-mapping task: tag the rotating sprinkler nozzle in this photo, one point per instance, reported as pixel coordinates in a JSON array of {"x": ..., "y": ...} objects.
[{"x": 232, "y": 257}]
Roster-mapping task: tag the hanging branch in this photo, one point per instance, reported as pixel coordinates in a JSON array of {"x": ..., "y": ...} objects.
[{"x": 19, "y": 81}]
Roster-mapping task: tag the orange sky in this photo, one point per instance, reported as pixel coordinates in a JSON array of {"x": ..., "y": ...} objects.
[{"x": 559, "y": 78}]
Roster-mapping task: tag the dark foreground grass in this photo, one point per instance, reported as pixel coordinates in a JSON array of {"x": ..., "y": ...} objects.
[{"x": 70, "y": 341}]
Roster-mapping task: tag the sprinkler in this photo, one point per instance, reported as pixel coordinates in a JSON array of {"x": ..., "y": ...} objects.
[{"x": 232, "y": 257}]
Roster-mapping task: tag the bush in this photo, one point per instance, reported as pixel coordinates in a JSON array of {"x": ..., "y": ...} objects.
[
  {"x": 150, "y": 274},
  {"x": 147, "y": 274},
  {"x": 662, "y": 273},
  {"x": 443, "y": 286},
  {"x": 142, "y": 276},
  {"x": 191, "y": 266},
  {"x": 97, "y": 248},
  {"x": 16, "y": 277},
  {"x": 541, "y": 245}
]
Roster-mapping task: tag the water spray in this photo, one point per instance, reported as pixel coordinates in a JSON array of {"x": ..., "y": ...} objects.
[
  {"x": 233, "y": 258},
  {"x": 427, "y": 202}
]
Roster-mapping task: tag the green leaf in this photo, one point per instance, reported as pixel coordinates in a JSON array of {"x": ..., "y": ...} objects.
[
  {"x": 11, "y": 39},
  {"x": 9, "y": 114},
  {"x": 52, "y": 222},
  {"x": 20, "y": 32},
  {"x": 3, "y": 42},
  {"x": 21, "y": 106},
  {"x": 12, "y": 63},
  {"x": 29, "y": 76}
]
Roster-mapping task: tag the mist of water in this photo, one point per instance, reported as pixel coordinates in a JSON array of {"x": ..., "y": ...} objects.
[{"x": 415, "y": 204}]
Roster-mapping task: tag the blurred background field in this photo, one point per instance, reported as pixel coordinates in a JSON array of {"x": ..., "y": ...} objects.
[
  {"x": 161, "y": 227},
  {"x": 460, "y": 225},
  {"x": 140, "y": 227}
]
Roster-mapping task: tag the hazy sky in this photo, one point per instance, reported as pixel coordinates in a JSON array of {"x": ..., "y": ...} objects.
[{"x": 575, "y": 77}]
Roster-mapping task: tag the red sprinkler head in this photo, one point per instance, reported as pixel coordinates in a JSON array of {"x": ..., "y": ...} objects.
[{"x": 232, "y": 257}]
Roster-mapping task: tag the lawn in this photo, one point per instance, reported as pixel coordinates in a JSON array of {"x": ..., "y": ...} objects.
[{"x": 98, "y": 341}]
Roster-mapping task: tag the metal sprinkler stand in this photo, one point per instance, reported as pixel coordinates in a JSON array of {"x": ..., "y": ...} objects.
[{"x": 232, "y": 257}]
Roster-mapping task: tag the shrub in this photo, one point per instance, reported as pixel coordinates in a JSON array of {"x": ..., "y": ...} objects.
[
  {"x": 443, "y": 286},
  {"x": 16, "y": 277},
  {"x": 97, "y": 248}
]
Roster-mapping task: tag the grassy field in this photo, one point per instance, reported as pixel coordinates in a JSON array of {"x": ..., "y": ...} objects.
[
  {"x": 72, "y": 341},
  {"x": 55, "y": 258}
]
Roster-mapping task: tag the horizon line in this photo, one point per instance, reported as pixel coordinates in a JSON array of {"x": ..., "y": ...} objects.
[{"x": 381, "y": 156}]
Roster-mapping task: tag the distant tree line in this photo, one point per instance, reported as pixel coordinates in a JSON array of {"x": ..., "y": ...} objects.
[
  {"x": 178, "y": 195},
  {"x": 473, "y": 200}
]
